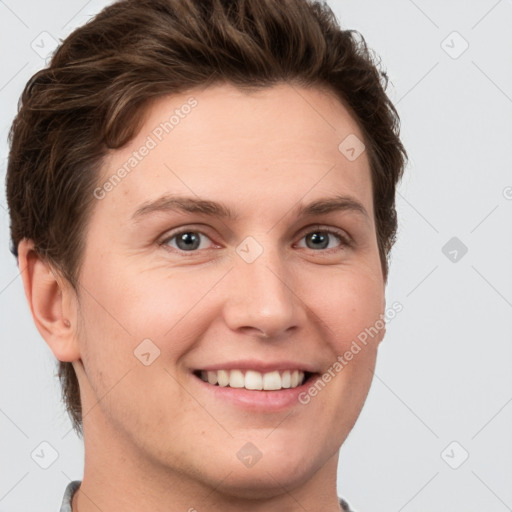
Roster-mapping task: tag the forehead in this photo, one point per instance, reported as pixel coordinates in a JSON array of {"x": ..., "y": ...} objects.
[{"x": 278, "y": 144}]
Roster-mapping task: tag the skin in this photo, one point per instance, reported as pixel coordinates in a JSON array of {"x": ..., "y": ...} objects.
[{"x": 154, "y": 439}]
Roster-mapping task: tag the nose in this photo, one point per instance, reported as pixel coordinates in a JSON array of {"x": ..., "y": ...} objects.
[{"x": 261, "y": 300}]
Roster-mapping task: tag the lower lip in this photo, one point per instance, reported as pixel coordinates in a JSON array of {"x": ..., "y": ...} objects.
[{"x": 255, "y": 400}]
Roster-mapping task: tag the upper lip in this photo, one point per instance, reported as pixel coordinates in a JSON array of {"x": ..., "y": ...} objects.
[{"x": 259, "y": 366}]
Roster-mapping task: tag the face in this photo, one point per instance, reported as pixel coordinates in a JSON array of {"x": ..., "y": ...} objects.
[{"x": 171, "y": 286}]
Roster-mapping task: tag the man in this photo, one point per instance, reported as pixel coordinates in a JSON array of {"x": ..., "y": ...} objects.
[{"x": 202, "y": 198}]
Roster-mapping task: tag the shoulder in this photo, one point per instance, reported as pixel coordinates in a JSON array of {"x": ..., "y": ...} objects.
[
  {"x": 345, "y": 506},
  {"x": 68, "y": 495}
]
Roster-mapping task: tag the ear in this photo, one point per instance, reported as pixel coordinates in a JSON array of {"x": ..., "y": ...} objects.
[{"x": 52, "y": 302}]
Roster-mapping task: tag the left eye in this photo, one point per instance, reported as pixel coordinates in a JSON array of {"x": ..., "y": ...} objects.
[
  {"x": 190, "y": 241},
  {"x": 319, "y": 239}
]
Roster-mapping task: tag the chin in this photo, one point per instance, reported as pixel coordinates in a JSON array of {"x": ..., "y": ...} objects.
[
  {"x": 270, "y": 475},
  {"x": 264, "y": 483}
]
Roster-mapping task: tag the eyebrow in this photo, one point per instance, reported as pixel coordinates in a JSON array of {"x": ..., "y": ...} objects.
[{"x": 179, "y": 203}]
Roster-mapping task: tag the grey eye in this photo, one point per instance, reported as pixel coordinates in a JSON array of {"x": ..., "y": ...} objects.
[
  {"x": 319, "y": 240},
  {"x": 185, "y": 240}
]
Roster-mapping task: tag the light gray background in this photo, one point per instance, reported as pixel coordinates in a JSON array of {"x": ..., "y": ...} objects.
[{"x": 444, "y": 369}]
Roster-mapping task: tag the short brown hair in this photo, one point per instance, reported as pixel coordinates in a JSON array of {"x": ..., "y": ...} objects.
[{"x": 93, "y": 95}]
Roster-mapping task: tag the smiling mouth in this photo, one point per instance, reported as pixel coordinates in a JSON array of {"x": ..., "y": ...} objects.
[{"x": 253, "y": 380}]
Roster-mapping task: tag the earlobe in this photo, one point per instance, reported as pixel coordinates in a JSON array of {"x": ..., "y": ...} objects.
[{"x": 51, "y": 301}]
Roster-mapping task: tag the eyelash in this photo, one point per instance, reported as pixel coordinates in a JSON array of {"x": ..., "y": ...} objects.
[{"x": 346, "y": 242}]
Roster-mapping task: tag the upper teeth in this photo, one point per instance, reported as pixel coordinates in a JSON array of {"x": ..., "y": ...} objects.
[{"x": 254, "y": 380}]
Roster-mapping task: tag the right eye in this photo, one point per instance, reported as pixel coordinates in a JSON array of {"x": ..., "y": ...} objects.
[{"x": 185, "y": 240}]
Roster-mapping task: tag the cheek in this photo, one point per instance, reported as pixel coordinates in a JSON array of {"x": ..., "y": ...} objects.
[
  {"x": 140, "y": 302},
  {"x": 123, "y": 308},
  {"x": 349, "y": 303},
  {"x": 123, "y": 305}
]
